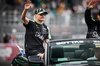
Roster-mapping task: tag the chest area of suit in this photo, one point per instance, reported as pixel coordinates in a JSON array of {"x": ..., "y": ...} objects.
[{"x": 41, "y": 29}]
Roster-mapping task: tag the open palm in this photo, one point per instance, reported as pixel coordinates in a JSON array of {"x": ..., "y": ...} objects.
[
  {"x": 92, "y": 4},
  {"x": 27, "y": 5}
]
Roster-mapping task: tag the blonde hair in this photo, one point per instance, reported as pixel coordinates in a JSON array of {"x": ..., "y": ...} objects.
[{"x": 34, "y": 17}]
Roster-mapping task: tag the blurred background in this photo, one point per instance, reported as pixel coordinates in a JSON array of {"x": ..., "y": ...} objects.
[{"x": 65, "y": 21}]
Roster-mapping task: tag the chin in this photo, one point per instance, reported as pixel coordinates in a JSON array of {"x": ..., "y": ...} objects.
[{"x": 42, "y": 19}]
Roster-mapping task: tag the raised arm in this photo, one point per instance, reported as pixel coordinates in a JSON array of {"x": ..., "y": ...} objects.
[
  {"x": 24, "y": 13},
  {"x": 91, "y": 5}
]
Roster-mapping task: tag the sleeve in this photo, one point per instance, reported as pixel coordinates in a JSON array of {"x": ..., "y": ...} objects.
[
  {"x": 26, "y": 26},
  {"x": 88, "y": 18},
  {"x": 48, "y": 35}
]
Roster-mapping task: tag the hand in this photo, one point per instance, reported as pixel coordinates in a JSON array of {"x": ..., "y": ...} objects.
[
  {"x": 41, "y": 55},
  {"x": 92, "y": 4},
  {"x": 27, "y": 5}
]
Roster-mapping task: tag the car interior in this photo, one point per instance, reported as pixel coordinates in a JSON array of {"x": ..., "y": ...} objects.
[{"x": 71, "y": 52}]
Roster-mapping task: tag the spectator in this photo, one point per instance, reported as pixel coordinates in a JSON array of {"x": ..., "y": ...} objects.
[
  {"x": 6, "y": 38},
  {"x": 12, "y": 39},
  {"x": 61, "y": 7}
]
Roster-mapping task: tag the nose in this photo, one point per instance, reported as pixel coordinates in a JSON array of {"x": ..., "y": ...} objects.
[{"x": 43, "y": 15}]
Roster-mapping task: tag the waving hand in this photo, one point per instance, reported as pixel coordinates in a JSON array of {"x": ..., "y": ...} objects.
[
  {"x": 92, "y": 4},
  {"x": 27, "y": 5}
]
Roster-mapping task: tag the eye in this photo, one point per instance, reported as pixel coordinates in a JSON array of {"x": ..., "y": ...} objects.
[{"x": 42, "y": 14}]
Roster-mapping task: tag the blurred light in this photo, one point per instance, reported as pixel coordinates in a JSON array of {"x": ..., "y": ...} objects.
[
  {"x": 14, "y": 30},
  {"x": 4, "y": 13}
]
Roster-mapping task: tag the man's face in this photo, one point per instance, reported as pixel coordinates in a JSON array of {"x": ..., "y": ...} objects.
[
  {"x": 98, "y": 16},
  {"x": 40, "y": 17}
]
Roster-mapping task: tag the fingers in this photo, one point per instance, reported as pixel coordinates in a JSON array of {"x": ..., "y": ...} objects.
[
  {"x": 92, "y": 3},
  {"x": 95, "y": 3},
  {"x": 28, "y": 2},
  {"x": 40, "y": 54}
]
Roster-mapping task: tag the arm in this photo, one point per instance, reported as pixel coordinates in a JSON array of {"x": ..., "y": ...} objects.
[
  {"x": 42, "y": 54},
  {"x": 49, "y": 36},
  {"x": 88, "y": 18},
  {"x": 24, "y": 13}
]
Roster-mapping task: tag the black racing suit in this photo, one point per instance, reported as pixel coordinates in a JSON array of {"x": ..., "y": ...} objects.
[{"x": 92, "y": 25}]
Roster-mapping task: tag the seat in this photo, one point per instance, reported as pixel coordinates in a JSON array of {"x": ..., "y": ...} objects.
[
  {"x": 35, "y": 59},
  {"x": 57, "y": 52}
]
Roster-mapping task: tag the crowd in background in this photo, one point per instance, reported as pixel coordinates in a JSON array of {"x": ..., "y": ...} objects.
[
  {"x": 75, "y": 6},
  {"x": 9, "y": 39},
  {"x": 56, "y": 7},
  {"x": 62, "y": 7},
  {"x": 59, "y": 17}
]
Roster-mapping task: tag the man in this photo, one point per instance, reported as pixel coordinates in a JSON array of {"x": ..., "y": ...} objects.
[
  {"x": 93, "y": 25},
  {"x": 36, "y": 31}
]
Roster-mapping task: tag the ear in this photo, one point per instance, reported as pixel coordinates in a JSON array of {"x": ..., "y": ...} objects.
[
  {"x": 98, "y": 17},
  {"x": 34, "y": 16}
]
